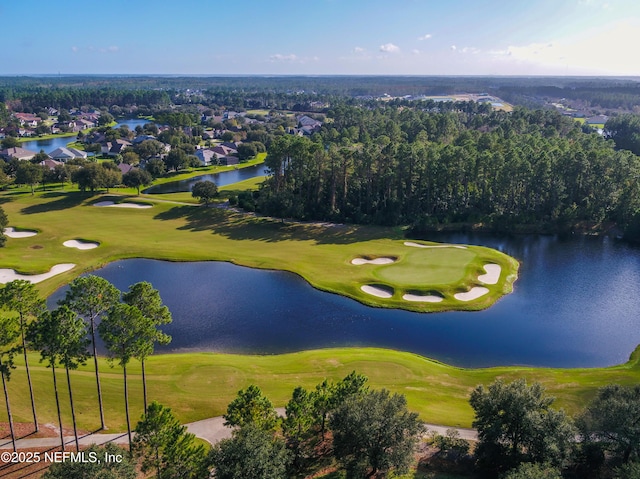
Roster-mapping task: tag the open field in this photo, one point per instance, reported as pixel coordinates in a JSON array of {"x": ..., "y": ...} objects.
[
  {"x": 320, "y": 253},
  {"x": 200, "y": 385}
]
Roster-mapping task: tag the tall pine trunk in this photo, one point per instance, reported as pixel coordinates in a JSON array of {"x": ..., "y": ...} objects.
[
  {"x": 26, "y": 365},
  {"x": 55, "y": 389},
  {"x": 95, "y": 362},
  {"x": 126, "y": 405},
  {"x": 144, "y": 386},
  {"x": 9, "y": 415},
  {"x": 73, "y": 411}
]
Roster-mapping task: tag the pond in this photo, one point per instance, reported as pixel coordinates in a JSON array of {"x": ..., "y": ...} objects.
[
  {"x": 575, "y": 304},
  {"x": 49, "y": 145},
  {"x": 220, "y": 179}
]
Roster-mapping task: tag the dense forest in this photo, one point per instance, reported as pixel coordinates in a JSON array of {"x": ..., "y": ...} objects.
[
  {"x": 261, "y": 91},
  {"x": 407, "y": 166}
]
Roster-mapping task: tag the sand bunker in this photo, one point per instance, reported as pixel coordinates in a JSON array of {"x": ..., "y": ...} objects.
[
  {"x": 80, "y": 244},
  {"x": 375, "y": 291},
  {"x": 120, "y": 205},
  {"x": 493, "y": 274},
  {"x": 473, "y": 293},
  {"x": 418, "y": 245},
  {"x": 12, "y": 233},
  {"x": 359, "y": 261},
  {"x": 7, "y": 275},
  {"x": 429, "y": 298}
]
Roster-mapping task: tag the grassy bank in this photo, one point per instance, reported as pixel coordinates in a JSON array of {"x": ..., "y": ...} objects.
[
  {"x": 50, "y": 136},
  {"x": 320, "y": 253},
  {"x": 201, "y": 385}
]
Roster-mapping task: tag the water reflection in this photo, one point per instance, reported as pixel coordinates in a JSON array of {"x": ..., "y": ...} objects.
[{"x": 575, "y": 304}]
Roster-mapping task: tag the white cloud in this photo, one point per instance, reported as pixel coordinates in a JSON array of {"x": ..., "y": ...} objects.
[
  {"x": 605, "y": 50},
  {"x": 389, "y": 48},
  {"x": 605, "y": 5},
  {"x": 425, "y": 37},
  {"x": 278, "y": 57},
  {"x": 358, "y": 50},
  {"x": 111, "y": 49},
  {"x": 74, "y": 49},
  {"x": 415, "y": 51},
  {"x": 454, "y": 48}
]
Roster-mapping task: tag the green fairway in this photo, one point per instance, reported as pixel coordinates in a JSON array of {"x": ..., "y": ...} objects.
[
  {"x": 201, "y": 385},
  {"x": 320, "y": 253}
]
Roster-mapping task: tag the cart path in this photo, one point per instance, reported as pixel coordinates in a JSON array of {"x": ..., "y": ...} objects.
[{"x": 211, "y": 430}]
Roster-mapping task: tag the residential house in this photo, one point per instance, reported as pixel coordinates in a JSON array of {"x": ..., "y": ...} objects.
[
  {"x": 228, "y": 160},
  {"x": 140, "y": 138},
  {"x": 308, "y": 125},
  {"x": 27, "y": 119},
  {"x": 83, "y": 124},
  {"x": 597, "y": 120},
  {"x": 17, "y": 153},
  {"x": 125, "y": 168},
  {"x": 51, "y": 164},
  {"x": 231, "y": 146},
  {"x": 224, "y": 150},
  {"x": 65, "y": 154},
  {"x": 114, "y": 148},
  {"x": 206, "y": 156}
]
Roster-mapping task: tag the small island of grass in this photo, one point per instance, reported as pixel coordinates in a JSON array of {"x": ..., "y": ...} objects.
[{"x": 428, "y": 276}]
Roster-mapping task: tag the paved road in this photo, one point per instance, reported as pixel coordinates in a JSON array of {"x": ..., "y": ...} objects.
[{"x": 211, "y": 430}]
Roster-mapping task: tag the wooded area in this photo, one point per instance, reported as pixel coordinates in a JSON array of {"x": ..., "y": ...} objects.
[{"x": 395, "y": 166}]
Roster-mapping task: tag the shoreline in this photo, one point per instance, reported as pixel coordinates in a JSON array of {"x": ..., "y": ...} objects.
[{"x": 437, "y": 391}]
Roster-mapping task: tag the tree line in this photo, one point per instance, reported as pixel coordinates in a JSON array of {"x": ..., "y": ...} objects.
[
  {"x": 392, "y": 166},
  {"x": 128, "y": 324},
  {"x": 347, "y": 429}
]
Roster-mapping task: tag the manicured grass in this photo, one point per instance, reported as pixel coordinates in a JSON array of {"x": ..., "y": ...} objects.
[
  {"x": 319, "y": 253},
  {"x": 251, "y": 184},
  {"x": 432, "y": 266},
  {"x": 200, "y": 385},
  {"x": 258, "y": 111},
  {"x": 46, "y": 137}
]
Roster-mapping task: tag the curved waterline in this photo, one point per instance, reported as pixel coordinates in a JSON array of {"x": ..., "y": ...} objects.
[{"x": 551, "y": 318}]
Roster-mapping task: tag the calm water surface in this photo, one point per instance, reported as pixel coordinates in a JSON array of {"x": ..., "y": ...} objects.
[
  {"x": 220, "y": 179},
  {"x": 576, "y": 303},
  {"x": 49, "y": 145}
]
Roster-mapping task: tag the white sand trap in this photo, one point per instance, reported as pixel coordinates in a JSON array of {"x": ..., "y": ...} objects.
[
  {"x": 120, "y": 205},
  {"x": 429, "y": 298},
  {"x": 418, "y": 245},
  {"x": 12, "y": 233},
  {"x": 7, "y": 275},
  {"x": 374, "y": 291},
  {"x": 493, "y": 274},
  {"x": 359, "y": 261},
  {"x": 473, "y": 293},
  {"x": 80, "y": 244}
]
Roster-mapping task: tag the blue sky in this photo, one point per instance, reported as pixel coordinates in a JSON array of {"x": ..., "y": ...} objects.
[{"x": 323, "y": 37}]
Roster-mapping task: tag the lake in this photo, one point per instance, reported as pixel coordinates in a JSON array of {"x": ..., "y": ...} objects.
[
  {"x": 575, "y": 304},
  {"x": 49, "y": 145},
  {"x": 220, "y": 179}
]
